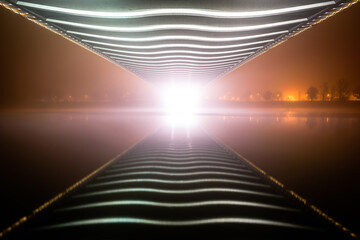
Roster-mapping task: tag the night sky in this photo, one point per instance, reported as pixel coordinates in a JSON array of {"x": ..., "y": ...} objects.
[{"x": 36, "y": 63}]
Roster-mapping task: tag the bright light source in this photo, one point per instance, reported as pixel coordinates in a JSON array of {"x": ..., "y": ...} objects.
[
  {"x": 181, "y": 103},
  {"x": 181, "y": 99},
  {"x": 203, "y": 52},
  {"x": 176, "y": 11},
  {"x": 178, "y": 37},
  {"x": 160, "y": 27},
  {"x": 186, "y": 121},
  {"x": 179, "y": 45}
]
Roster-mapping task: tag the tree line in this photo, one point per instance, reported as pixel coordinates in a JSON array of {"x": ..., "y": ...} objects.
[{"x": 341, "y": 90}]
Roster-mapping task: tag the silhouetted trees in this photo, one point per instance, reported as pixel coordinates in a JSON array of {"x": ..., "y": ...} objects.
[
  {"x": 343, "y": 89},
  {"x": 312, "y": 93},
  {"x": 332, "y": 92},
  {"x": 324, "y": 91},
  {"x": 340, "y": 90},
  {"x": 356, "y": 92}
]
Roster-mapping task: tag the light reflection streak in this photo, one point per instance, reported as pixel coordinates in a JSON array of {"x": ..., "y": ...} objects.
[
  {"x": 153, "y": 180},
  {"x": 179, "y": 37},
  {"x": 167, "y": 52},
  {"x": 171, "y": 156},
  {"x": 177, "y": 45},
  {"x": 202, "y": 62},
  {"x": 178, "y": 205},
  {"x": 180, "y": 163},
  {"x": 186, "y": 191},
  {"x": 178, "y": 73},
  {"x": 174, "y": 70},
  {"x": 188, "y": 152},
  {"x": 180, "y": 67},
  {"x": 176, "y": 11},
  {"x": 180, "y": 158},
  {"x": 127, "y": 220},
  {"x": 183, "y": 152},
  {"x": 178, "y": 174},
  {"x": 193, "y": 27},
  {"x": 179, "y": 168},
  {"x": 177, "y": 56},
  {"x": 206, "y": 155}
]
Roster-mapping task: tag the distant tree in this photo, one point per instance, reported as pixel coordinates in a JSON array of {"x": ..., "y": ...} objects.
[
  {"x": 332, "y": 92},
  {"x": 356, "y": 92},
  {"x": 343, "y": 89},
  {"x": 324, "y": 90},
  {"x": 268, "y": 96},
  {"x": 312, "y": 93}
]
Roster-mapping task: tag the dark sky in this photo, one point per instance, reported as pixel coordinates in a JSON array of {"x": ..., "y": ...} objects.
[{"x": 36, "y": 62}]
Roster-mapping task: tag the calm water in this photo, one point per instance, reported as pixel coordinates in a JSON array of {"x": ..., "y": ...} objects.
[{"x": 315, "y": 154}]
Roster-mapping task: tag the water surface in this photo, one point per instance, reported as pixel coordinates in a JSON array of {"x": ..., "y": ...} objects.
[{"x": 316, "y": 154}]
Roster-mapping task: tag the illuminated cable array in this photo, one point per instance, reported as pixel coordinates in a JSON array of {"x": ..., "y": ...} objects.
[
  {"x": 172, "y": 12},
  {"x": 165, "y": 31}
]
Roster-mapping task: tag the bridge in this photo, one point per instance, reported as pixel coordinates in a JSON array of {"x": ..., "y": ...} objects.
[
  {"x": 176, "y": 182},
  {"x": 196, "y": 41}
]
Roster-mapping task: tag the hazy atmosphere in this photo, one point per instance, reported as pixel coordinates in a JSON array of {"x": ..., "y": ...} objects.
[{"x": 89, "y": 150}]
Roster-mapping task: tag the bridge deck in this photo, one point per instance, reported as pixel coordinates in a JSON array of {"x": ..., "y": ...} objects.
[{"x": 178, "y": 184}]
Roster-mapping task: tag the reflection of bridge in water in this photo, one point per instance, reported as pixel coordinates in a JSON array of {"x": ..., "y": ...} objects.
[{"x": 184, "y": 184}]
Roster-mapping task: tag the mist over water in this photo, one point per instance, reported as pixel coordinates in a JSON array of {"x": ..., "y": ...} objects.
[{"x": 314, "y": 153}]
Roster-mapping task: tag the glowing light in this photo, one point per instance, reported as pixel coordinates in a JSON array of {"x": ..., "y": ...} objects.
[
  {"x": 175, "y": 11},
  {"x": 178, "y": 26},
  {"x": 181, "y": 99},
  {"x": 179, "y": 160},
  {"x": 179, "y": 37},
  {"x": 187, "y": 153},
  {"x": 178, "y": 51},
  {"x": 187, "y": 191},
  {"x": 181, "y": 182},
  {"x": 181, "y": 120},
  {"x": 177, "y": 56},
  {"x": 178, "y": 205},
  {"x": 178, "y": 174},
  {"x": 182, "y": 158},
  {"x": 175, "y": 62},
  {"x": 177, "y": 69},
  {"x": 178, "y": 75},
  {"x": 180, "y": 67},
  {"x": 290, "y": 98},
  {"x": 180, "y": 60},
  {"x": 179, "y": 168},
  {"x": 177, "y": 45},
  {"x": 215, "y": 162},
  {"x": 127, "y": 220}
]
